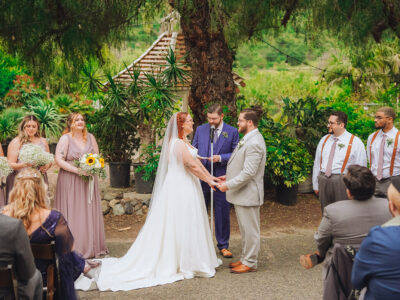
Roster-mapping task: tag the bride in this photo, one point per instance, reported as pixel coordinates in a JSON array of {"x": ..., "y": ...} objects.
[{"x": 175, "y": 242}]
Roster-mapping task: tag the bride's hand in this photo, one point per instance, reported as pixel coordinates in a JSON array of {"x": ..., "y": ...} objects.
[{"x": 212, "y": 184}]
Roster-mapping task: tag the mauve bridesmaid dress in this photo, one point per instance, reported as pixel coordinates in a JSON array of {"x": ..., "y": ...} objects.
[{"x": 72, "y": 199}]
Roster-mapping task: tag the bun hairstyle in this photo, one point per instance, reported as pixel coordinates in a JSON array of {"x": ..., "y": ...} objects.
[
  {"x": 23, "y": 136},
  {"x": 253, "y": 114},
  {"x": 70, "y": 124},
  {"x": 180, "y": 119}
]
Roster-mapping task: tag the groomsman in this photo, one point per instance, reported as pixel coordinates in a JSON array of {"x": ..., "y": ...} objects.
[
  {"x": 225, "y": 140},
  {"x": 336, "y": 151},
  {"x": 382, "y": 150},
  {"x": 245, "y": 187}
]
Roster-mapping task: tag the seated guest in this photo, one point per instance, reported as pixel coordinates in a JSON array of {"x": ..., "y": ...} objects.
[
  {"x": 347, "y": 222},
  {"x": 377, "y": 264},
  {"x": 28, "y": 203},
  {"x": 15, "y": 249}
]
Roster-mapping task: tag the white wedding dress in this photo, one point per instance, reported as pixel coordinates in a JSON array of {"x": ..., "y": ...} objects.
[{"x": 175, "y": 242}]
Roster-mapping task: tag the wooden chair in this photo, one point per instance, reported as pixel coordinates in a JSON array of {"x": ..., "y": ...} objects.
[
  {"x": 8, "y": 281},
  {"x": 48, "y": 252}
]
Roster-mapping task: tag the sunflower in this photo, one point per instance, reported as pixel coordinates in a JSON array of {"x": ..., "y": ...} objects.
[
  {"x": 101, "y": 160},
  {"x": 90, "y": 160}
]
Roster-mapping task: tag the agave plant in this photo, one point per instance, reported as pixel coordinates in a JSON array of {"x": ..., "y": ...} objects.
[
  {"x": 50, "y": 119},
  {"x": 9, "y": 120},
  {"x": 174, "y": 72},
  {"x": 90, "y": 79}
]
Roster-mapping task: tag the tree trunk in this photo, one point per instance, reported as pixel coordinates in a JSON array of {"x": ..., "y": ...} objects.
[{"x": 210, "y": 60}]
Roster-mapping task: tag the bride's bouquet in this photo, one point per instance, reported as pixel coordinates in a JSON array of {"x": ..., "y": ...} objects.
[
  {"x": 5, "y": 168},
  {"x": 35, "y": 155},
  {"x": 92, "y": 164}
]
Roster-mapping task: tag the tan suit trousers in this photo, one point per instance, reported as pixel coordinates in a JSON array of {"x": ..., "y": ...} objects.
[{"x": 249, "y": 225}]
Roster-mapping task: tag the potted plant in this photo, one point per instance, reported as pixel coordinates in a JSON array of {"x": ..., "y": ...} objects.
[
  {"x": 305, "y": 120},
  {"x": 145, "y": 172},
  {"x": 115, "y": 131},
  {"x": 288, "y": 162}
]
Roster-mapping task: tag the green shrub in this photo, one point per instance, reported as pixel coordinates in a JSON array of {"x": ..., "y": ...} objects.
[{"x": 9, "y": 121}]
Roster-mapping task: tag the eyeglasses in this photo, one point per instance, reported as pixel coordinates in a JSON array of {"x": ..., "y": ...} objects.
[
  {"x": 380, "y": 118},
  {"x": 333, "y": 123}
]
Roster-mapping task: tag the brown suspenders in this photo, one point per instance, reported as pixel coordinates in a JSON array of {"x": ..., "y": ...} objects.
[
  {"x": 396, "y": 142},
  {"x": 346, "y": 159}
]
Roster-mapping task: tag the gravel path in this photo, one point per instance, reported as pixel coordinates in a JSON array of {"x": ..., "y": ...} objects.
[{"x": 279, "y": 275}]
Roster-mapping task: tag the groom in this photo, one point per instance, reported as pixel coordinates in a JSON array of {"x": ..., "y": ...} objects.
[
  {"x": 225, "y": 140},
  {"x": 245, "y": 188}
]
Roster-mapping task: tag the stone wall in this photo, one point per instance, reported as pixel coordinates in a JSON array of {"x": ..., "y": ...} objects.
[{"x": 124, "y": 201}]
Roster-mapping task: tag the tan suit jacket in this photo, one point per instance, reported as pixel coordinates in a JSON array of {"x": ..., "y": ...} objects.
[{"x": 245, "y": 171}]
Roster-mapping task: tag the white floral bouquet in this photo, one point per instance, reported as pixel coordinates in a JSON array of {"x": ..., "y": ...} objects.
[
  {"x": 92, "y": 164},
  {"x": 35, "y": 155},
  {"x": 5, "y": 168}
]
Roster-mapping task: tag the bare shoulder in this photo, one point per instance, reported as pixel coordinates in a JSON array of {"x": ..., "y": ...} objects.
[{"x": 15, "y": 142}]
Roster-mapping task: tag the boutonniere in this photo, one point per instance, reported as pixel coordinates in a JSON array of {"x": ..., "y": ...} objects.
[
  {"x": 389, "y": 141},
  {"x": 225, "y": 134},
  {"x": 341, "y": 146},
  {"x": 241, "y": 143}
]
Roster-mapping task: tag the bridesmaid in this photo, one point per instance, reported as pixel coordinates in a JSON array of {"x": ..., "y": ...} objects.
[
  {"x": 2, "y": 190},
  {"x": 28, "y": 132},
  {"x": 84, "y": 217}
]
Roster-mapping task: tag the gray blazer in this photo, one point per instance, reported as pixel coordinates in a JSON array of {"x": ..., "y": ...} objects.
[
  {"x": 15, "y": 249},
  {"x": 348, "y": 222},
  {"x": 245, "y": 171}
]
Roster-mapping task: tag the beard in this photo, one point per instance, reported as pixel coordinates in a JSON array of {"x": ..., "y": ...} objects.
[
  {"x": 379, "y": 126},
  {"x": 243, "y": 129}
]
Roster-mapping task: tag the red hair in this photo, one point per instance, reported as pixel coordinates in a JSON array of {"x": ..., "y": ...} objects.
[{"x": 180, "y": 119}]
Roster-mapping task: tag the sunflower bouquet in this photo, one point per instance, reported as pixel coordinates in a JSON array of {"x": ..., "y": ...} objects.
[
  {"x": 35, "y": 155},
  {"x": 5, "y": 168},
  {"x": 92, "y": 164}
]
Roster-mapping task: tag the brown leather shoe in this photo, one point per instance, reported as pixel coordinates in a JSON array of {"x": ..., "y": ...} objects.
[
  {"x": 226, "y": 253},
  {"x": 235, "y": 264},
  {"x": 242, "y": 269},
  {"x": 309, "y": 260}
]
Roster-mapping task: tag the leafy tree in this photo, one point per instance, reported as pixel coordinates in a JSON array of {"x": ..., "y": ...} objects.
[{"x": 40, "y": 30}]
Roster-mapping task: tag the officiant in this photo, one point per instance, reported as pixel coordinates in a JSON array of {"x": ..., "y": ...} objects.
[{"x": 225, "y": 140}]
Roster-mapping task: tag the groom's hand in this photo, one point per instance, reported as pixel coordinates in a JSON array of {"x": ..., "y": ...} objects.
[
  {"x": 221, "y": 178},
  {"x": 222, "y": 187}
]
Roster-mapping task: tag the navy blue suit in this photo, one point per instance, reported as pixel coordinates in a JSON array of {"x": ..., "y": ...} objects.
[{"x": 224, "y": 146}]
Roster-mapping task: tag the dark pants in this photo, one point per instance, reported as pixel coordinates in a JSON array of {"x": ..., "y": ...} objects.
[
  {"x": 221, "y": 215},
  {"x": 331, "y": 189},
  {"x": 382, "y": 187}
]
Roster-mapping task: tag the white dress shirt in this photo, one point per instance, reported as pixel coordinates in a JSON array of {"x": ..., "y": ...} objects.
[
  {"x": 387, "y": 153},
  {"x": 357, "y": 155}
]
